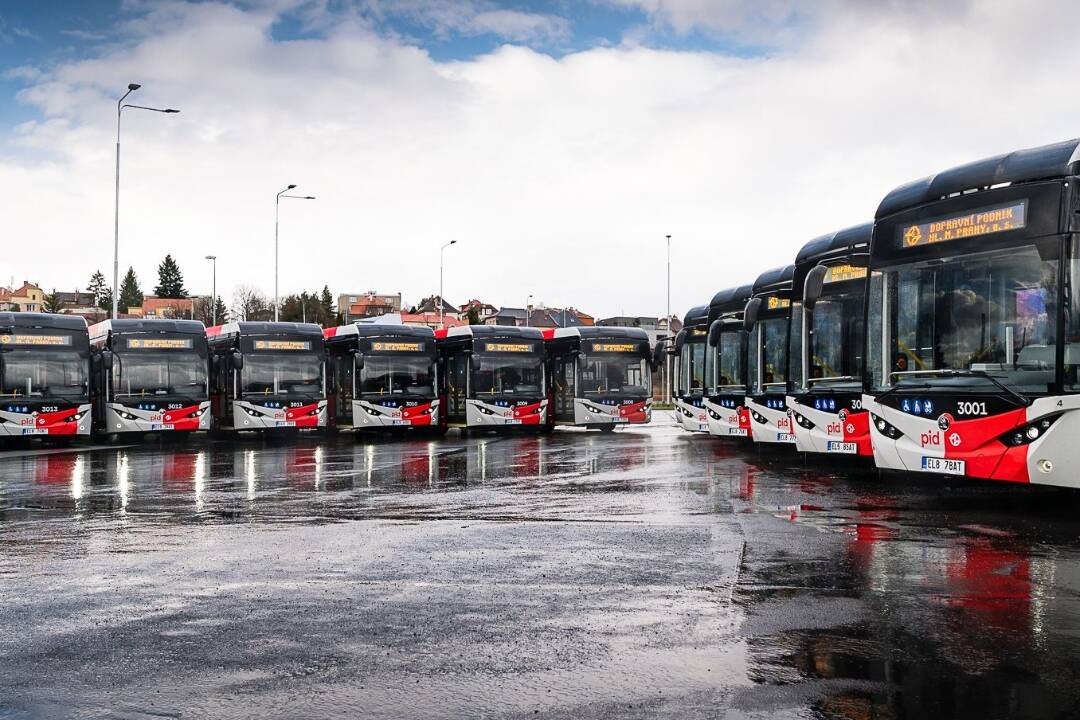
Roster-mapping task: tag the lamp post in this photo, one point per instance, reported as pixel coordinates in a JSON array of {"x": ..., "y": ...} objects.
[
  {"x": 528, "y": 311},
  {"x": 277, "y": 209},
  {"x": 667, "y": 356},
  {"x": 213, "y": 289},
  {"x": 442, "y": 251},
  {"x": 132, "y": 87}
]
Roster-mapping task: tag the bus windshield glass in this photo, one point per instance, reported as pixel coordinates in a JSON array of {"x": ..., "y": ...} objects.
[
  {"x": 397, "y": 375},
  {"x": 988, "y": 317},
  {"x": 284, "y": 374},
  {"x": 517, "y": 374},
  {"x": 175, "y": 374},
  {"x": 730, "y": 364},
  {"x": 692, "y": 369},
  {"x": 618, "y": 375},
  {"x": 43, "y": 374},
  {"x": 836, "y": 342},
  {"x": 774, "y": 352}
]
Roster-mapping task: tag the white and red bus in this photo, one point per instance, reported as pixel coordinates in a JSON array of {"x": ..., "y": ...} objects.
[
  {"x": 768, "y": 319},
  {"x": 383, "y": 377},
  {"x": 689, "y": 351},
  {"x": 601, "y": 377},
  {"x": 973, "y": 321},
  {"x": 830, "y": 279},
  {"x": 267, "y": 375},
  {"x": 44, "y": 375},
  {"x": 725, "y": 364},
  {"x": 154, "y": 376},
  {"x": 493, "y": 376}
]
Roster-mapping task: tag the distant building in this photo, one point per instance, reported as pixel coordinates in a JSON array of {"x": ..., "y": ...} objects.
[
  {"x": 27, "y": 298},
  {"x": 431, "y": 304},
  {"x": 514, "y": 317},
  {"x": 81, "y": 303},
  {"x": 430, "y": 319},
  {"x": 483, "y": 309},
  {"x": 367, "y": 305},
  {"x": 165, "y": 308},
  {"x": 655, "y": 327}
]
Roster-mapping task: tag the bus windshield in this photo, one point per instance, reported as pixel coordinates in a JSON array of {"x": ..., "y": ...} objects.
[
  {"x": 620, "y": 375},
  {"x": 774, "y": 352},
  {"x": 836, "y": 340},
  {"x": 508, "y": 375},
  {"x": 692, "y": 369},
  {"x": 730, "y": 364},
  {"x": 178, "y": 374},
  {"x": 34, "y": 373},
  {"x": 412, "y": 375},
  {"x": 988, "y": 315},
  {"x": 293, "y": 374}
]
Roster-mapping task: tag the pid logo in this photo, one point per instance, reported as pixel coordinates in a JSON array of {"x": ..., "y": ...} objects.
[
  {"x": 835, "y": 428},
  {"x": 931, "y": 438}
]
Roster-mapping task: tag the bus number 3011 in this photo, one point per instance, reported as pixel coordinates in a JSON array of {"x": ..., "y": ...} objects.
[{"x": 971, "y": 408}]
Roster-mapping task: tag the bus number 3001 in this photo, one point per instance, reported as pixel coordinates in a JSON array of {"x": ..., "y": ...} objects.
[{"x": 971, "y": 408}]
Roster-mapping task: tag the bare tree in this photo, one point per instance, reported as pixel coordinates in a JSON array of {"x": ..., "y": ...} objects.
[{"x": 250, "y": 304}]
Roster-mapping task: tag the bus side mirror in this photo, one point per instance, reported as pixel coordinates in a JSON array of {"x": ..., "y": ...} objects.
[
  {"x": 658, "y": 354},
  {"x": 359, "y": 361},
  {"x": 750, "y": 314},
  {"x": 714, "y": 333},
  {"x": 106, "y": 360},
  {"x": 237, "y": 361},
  {"x": 813, "y": 285}
]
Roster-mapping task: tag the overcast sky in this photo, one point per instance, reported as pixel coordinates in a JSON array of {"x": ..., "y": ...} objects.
[{"x": 557, "y": 142}]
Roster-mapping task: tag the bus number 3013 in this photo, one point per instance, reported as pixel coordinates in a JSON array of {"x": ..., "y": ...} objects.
[{"x": 971, "y": 408}]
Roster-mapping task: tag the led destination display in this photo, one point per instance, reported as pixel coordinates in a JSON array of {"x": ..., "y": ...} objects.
[
  {"x": 956, "y": 227},
  {"x": 282, "y": 345},
  {"x": 397, "y": 346},
  {"x": 159, "y": 343},
  {"x": 508, "y": 347},
  {"x": 841, "y": 273},
  {"x": 38, "y": 340}
]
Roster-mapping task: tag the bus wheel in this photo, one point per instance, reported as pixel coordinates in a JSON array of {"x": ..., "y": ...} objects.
[
  {"x": 607, "y": 428},
  {"x": 546, "y": 429}
]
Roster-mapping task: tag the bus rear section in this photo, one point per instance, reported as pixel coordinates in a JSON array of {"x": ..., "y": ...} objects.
[
  {"x": 44, "y": 376},
  {"x": 154, "y": 376},
  {"x": 826, "y": 403},
  {"x": 725, "y": 365},
  {"x": 768, "y": 320},
  {"x": 268, "y": 375},
  {"x": 383, "y": 377},
  {"x": 689, "y": 351},
  {"x": 493, "y": 376},
  {"x": 974, "y": 321},
  {"x": 601, "y": 377}
]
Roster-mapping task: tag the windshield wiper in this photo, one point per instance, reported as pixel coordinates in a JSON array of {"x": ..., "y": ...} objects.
[
  {"x": 834, "y": 378},
  {"x": 1019, "y": 399}
]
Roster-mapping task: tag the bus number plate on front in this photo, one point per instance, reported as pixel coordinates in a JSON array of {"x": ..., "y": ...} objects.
[
  {"x": 737, "y": 432},
  {"x": 509, "y": 421},
  {"x": 943, "y": 465},
  {"x": 847, "y": 448},
  {"x": 285, "y": 423},
  {"x": 785, "y": 437},
  {"x": 35, "y": 431}
]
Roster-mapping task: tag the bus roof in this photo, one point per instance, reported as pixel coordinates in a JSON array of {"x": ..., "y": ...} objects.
[
  {"x": 265, "y": 328},
  {"x": 378, "y": 330},
  {"x": 729, "y": 300},
  {"x": 1041, "y": 163},
  {"x": 852, "y": 239},
  {"x": 41, "y": 320},
  {"x": 487, "y": 331},
  {"x": 592, "y": 331},
  {"x": 696, "y": 316},
  {"x": 776, "y": 279},
  {"x": 182, "y": 327}
]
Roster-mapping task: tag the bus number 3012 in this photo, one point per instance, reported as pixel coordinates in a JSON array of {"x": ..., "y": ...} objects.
[{"x": 971, "y": 408}]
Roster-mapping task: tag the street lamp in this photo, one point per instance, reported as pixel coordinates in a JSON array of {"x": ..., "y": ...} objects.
[
  {"x": 528, "y": 311},
  {"x": 442, "y": 251},
  {"x": 132, "y": 87},
  {"x": 667, "y": 356},
  {"x": 277, "y": 208},
  {"x": 213, "y": 291}
]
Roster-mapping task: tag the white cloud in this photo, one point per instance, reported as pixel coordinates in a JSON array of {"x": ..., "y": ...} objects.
[{"x": 559, "y": 177}]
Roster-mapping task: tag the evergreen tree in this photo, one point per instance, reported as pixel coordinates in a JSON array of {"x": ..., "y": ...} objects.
[
  {"x": 105, "y": 303},
  {"x": 131, "y": 295},
  {"x": 170, "y": 280},
  {"x": 473, "y": 316},
  {"x": 97, "y": 287},
  {"x": 51, "y": 302},
  {"x": 222, "y": 312},
  {"x": 327, "y": 302}
]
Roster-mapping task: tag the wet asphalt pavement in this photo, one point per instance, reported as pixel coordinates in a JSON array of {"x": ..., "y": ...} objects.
[{"x": 644, "y": 574}]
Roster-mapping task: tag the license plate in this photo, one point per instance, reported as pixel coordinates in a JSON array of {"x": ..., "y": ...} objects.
[
  {"x": 512, "y": 422},
  {"x": 399, "y": 422},
  {"x": 785, "y": 437},
  {"x": 285, "y": 423},
  {"x": 35, "y": 431},
  {"x": 848, "y": 448},
  {"x": 945, "y": 466},
  {"x": 737, "y": 432},
  {"x": 162, "y": 427},
  {"x": 703, "y": 427},
  {"x": 619, "y": 419}
]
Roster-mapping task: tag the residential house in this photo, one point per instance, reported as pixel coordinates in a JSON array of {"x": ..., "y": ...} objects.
[
  {"x": 27, "y": 298},
  {"x": 431, "y": 320},
  {"x": 358, "y": 306},
  {"x": 81, "y": 303},
  {"x": 165, "y": 308},
  {"x": 431, "y": 304},
  {"x": 514, "y": 317},
  {"x": 483, "y": 309}
]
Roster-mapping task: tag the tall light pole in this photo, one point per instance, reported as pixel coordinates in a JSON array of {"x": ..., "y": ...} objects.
[
  {"x": 213, "y": 290},
  {"x": 442, "y": 251},
  {"x": 132, "y": 87},
  {"x": 277, "y": 213},
  {"x": 528, "y": 311},
  {"x": 667, "y": 356}
]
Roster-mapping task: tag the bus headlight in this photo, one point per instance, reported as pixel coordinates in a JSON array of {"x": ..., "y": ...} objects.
[
  {"x": 484, "y": 411},
  {"x": 713, "y": 414},
  {"x": 593, "y": 409},
  {"x": 126, "y": 415},
  {"x": 803, "y": 422},
  {"x": 759, "y": 418},
  {"x": 1028, "y": 433},
  {"x": 885, "y": 428}
]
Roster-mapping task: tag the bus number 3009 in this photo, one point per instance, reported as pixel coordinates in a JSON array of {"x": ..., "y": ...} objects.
[{"x": 971, "y": 408}]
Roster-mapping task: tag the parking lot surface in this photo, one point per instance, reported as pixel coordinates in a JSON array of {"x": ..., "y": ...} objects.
[{"x": 647, "y": 573}]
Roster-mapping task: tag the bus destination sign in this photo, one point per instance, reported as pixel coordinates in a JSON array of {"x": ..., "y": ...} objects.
[
  {"x": 609, "y": 347},
  {"x": 777, "y": 303},
  {"x": 508, "y": 347},
  {"x": 980, "y": 222},
  {"x": 841, "y": 273},
  {"x": 397, "y": 346},
  {"x": 282, "y": 345},
  {"x": 38, "y": 340},
  {"x": 159, "y": 343}
]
